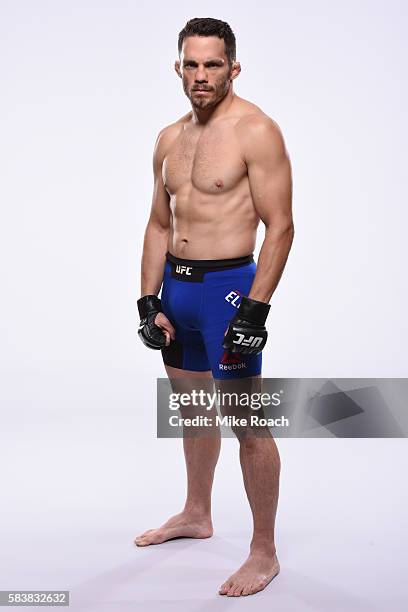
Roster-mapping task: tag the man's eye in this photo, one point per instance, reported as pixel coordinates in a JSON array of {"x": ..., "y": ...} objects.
[{"x": 207, "y": 66}]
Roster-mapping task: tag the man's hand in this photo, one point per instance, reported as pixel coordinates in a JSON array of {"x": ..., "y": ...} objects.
[
  {"x": 155, "y": 330},
  {"x": 246, "y": 332}
]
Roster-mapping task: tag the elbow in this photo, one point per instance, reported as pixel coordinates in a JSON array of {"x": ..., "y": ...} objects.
[
  {"x": 284, "y": 230},
  {"x": 291, "y": 230},
  {"x": 289, "y": 227},
  {"x": 157, "y": 228},
  {"x": 288, "y": 234}
]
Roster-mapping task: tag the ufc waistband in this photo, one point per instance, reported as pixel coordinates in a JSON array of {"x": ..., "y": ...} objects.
[{"x": 193, "y": 270}]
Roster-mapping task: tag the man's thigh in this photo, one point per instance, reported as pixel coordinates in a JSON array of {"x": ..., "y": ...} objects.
[
  {"x": 195, "y": 385},
  {"x": 238, "y": 399}
]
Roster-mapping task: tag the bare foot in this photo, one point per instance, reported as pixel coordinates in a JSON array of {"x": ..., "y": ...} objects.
[
  {"x": 253, "y": 575},
  {"x": 183, "y": 525}
]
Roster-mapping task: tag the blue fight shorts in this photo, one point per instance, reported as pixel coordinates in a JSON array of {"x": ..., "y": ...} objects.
[{"x": 200, "y": 297}]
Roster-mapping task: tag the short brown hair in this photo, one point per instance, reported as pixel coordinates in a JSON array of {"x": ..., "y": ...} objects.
[{"x": 207, "y": 26}]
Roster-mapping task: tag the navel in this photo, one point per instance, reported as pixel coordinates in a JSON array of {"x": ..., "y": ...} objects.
[{"x": 219, "y": 184}]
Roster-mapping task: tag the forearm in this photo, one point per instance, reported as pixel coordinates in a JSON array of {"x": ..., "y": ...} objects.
[
  {"x": 153, "y": 259},
  {"x": 271, "y": 262}
]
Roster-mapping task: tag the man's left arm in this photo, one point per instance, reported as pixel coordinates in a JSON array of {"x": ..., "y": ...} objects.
[{"x": 270, "y": 180}]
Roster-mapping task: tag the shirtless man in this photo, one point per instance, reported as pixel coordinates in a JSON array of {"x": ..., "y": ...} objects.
[{"x": 218, "y": 171}]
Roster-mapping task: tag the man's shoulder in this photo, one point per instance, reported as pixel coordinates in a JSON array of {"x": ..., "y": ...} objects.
[
  {"x": 257, "y": 130},
  {"x": 169, "y": 133},
  {"x": 174, "y": 129},
  {"x": 255, "y": 122}
]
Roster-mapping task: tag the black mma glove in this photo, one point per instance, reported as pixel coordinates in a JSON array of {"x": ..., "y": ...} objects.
[
  {"x": 150, "y": 334},
  {"x": 246, "y": 332}
]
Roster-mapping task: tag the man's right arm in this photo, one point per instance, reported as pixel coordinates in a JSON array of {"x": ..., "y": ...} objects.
[{"x": 158, "y": 227}]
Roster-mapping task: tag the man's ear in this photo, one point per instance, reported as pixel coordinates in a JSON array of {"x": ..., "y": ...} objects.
[
  {"x": 236, "y": 69},
  {"x": 177, "y": 67}
]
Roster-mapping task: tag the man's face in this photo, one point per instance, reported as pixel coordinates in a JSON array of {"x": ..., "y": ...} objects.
[{"x": 204, "y": 69}]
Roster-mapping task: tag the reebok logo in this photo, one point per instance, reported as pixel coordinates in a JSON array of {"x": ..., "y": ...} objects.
[
  {"x": 232, "y": 366},
  {"x": 231, "y": 361},
  {"x": 230, "y": 358}
]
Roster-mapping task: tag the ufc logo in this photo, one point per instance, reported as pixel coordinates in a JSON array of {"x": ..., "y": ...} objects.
[
  {"x": 252, "y": 341},
  {"x": 183, "y": 270}
]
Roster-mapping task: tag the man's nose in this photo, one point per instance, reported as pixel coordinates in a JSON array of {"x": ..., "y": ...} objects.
[{"x": 200, "y": 75}]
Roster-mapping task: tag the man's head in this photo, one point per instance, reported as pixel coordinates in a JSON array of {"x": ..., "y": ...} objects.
[{"x": 207, "y": 64}]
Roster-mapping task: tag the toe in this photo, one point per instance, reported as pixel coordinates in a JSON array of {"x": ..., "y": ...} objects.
[
  {"x": 143, "y": 534},
  {"x": 231, "y": 590},
  {"x": 247, "y": 589},
  {"x": 142, "y": 541},
  {"x": 238, "y": 590},
  {"x": 224, "y": 588}
]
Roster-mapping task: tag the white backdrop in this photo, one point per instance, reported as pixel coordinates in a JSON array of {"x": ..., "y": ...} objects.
[{"x": 86, "y": 86}]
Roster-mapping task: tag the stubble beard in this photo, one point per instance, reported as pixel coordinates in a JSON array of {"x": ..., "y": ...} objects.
[{"x": 217, "y": 93}]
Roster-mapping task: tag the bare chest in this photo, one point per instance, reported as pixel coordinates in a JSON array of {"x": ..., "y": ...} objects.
[{"x": 208, "y": 160}]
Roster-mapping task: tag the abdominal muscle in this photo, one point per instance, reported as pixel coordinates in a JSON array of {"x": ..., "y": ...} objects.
[
  {"x": 212, "y": 226},
  {"x": 218, "y": 246}
]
